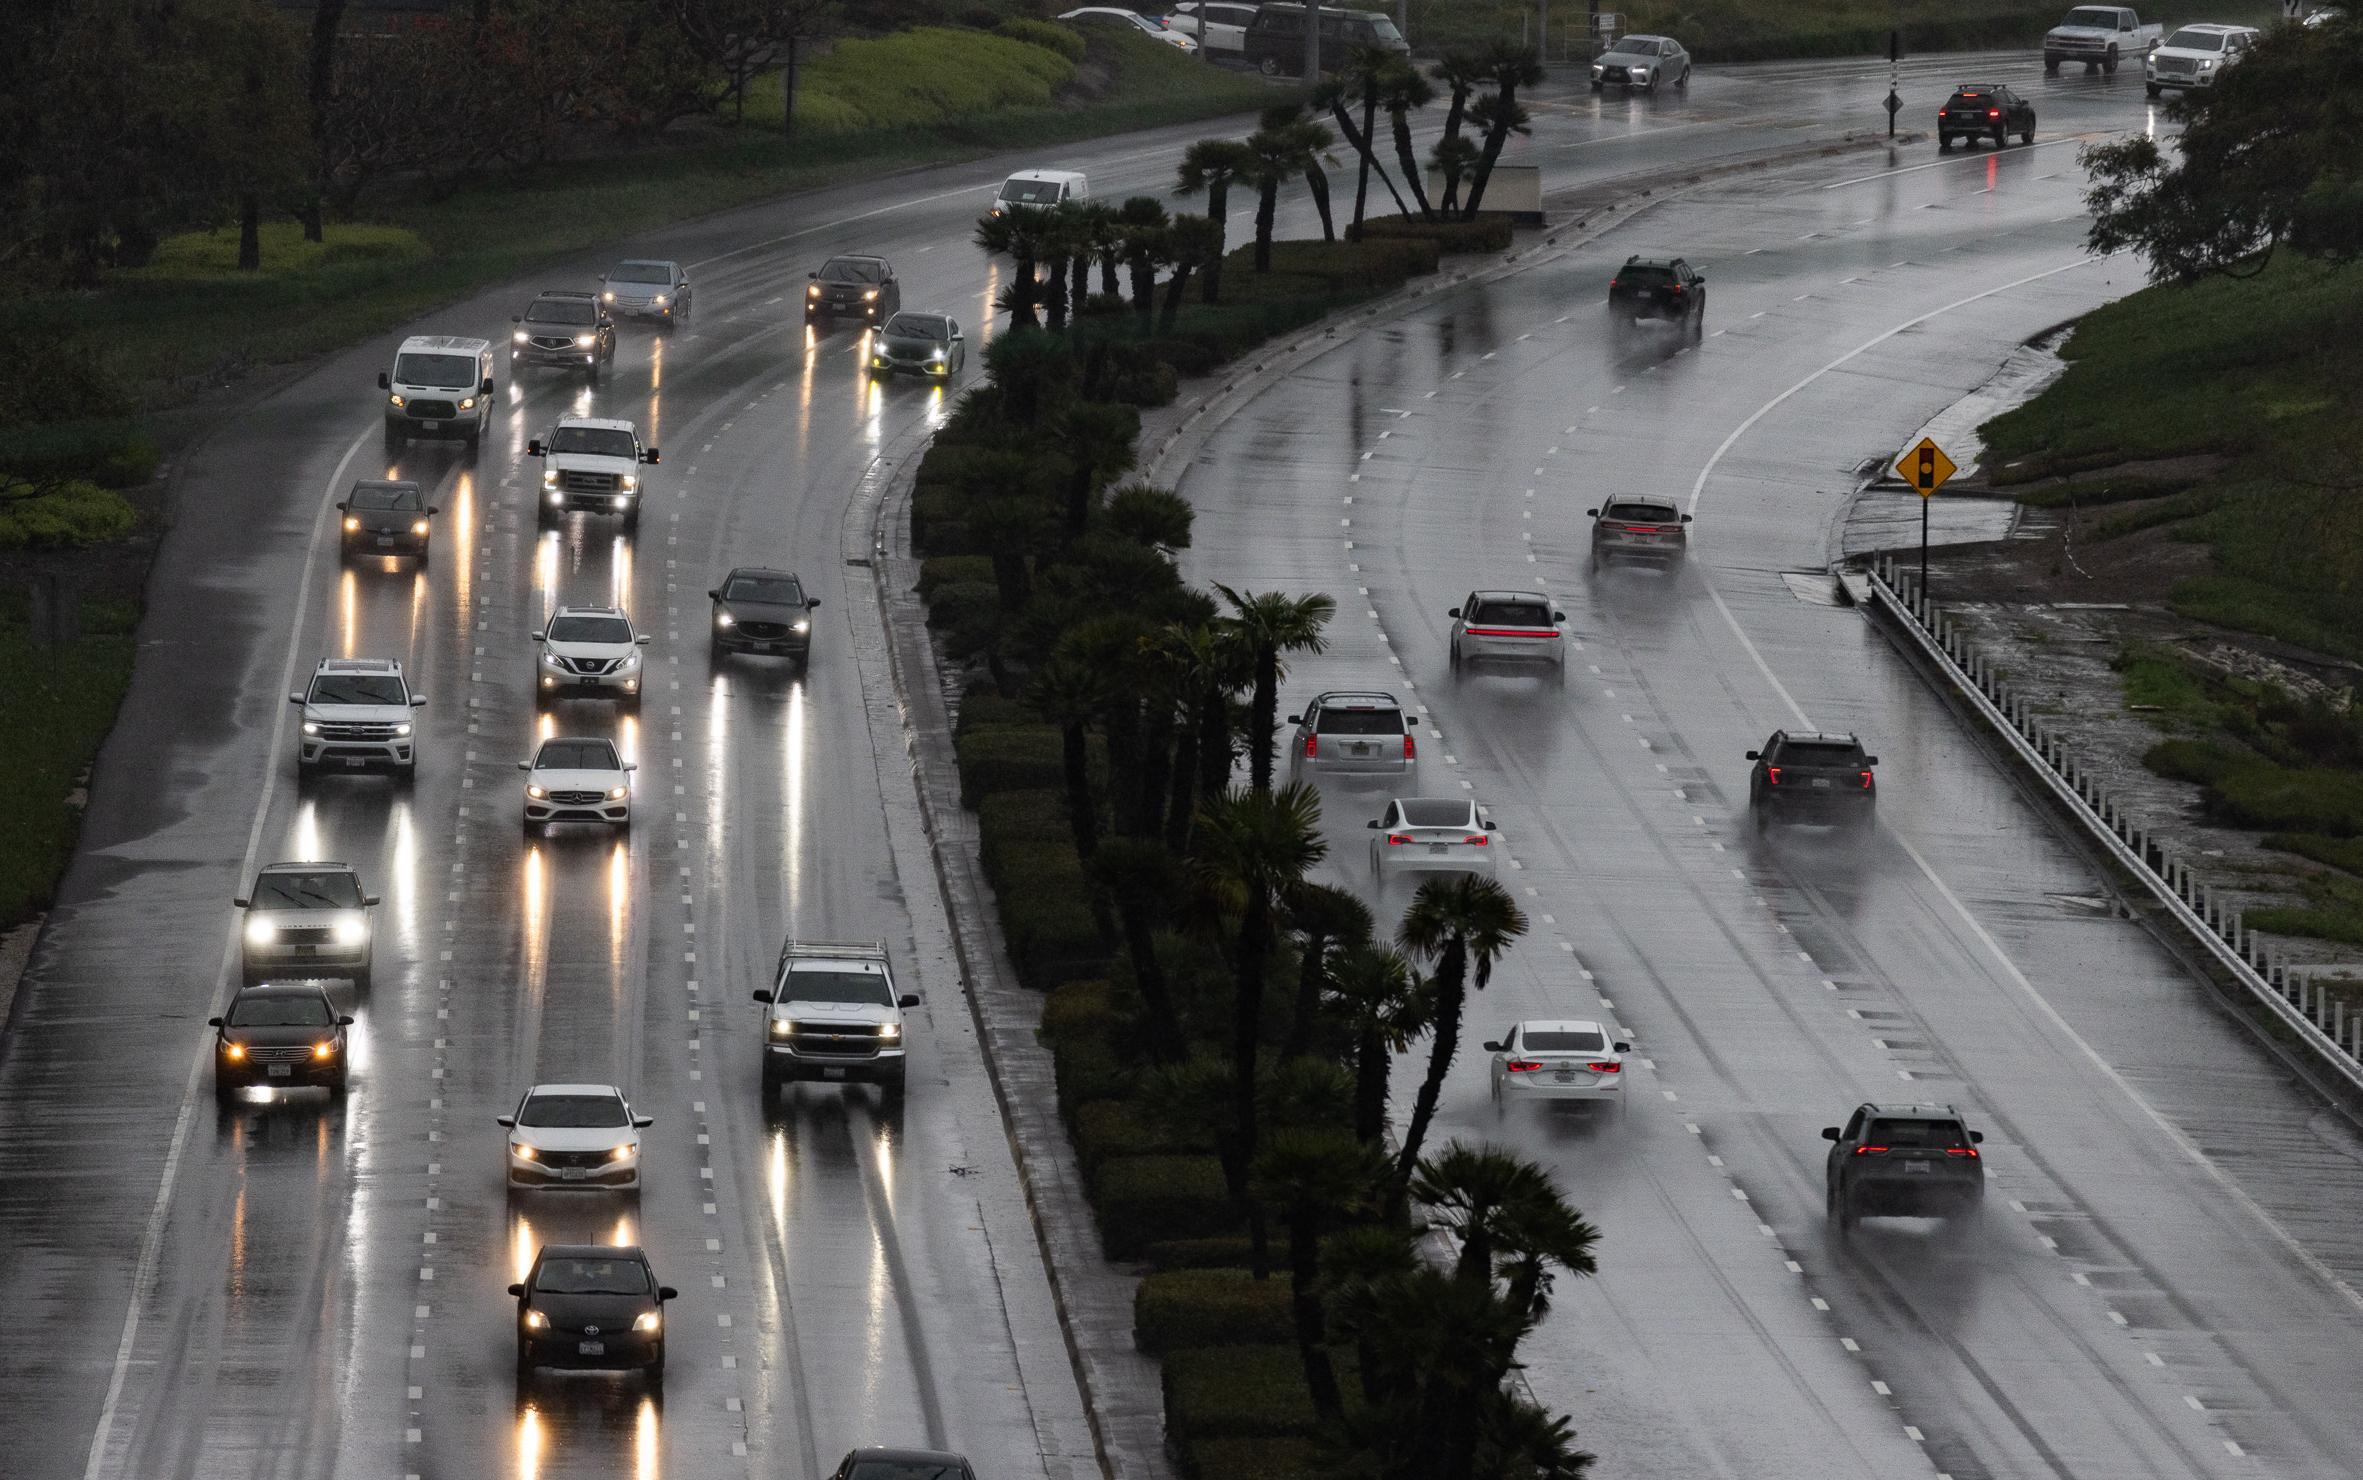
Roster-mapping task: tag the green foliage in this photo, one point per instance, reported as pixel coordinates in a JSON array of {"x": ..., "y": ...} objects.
[
  {"x": 1200, "y": 1253},
  {"x": 983, "y": 708},
  {"x": 1490, "y": 232},
  {"x": 967, "y": 615},
  {"x": 1255, "y": 1459},
  {"x": 2343, "y": 853},
  {"x": 1106, "y": 1129},
  {"x": 1079, "y": 1007},
  {"x": 2245, "y": 789},
  {"x": 60, "y": 704},
  {"x": 1189, "y": 1308},
  {"x": 925, "y": 77},
  {"x": 1009, "y": 758},
  {"x": 949, "y": 570},
  {"x": 211, "y": 256},
  {"x": 1061, "y": 39},
  {"x": 1086, "y": 1071},
  {"x": 63, "y": 515},
  {"x": 1143, "y": 1199},
  {"x": 1237, "y": 1392}
]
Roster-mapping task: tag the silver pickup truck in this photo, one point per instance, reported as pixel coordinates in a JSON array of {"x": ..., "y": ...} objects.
[
  {"x": 2099, "y": 36},
  {"x": 834, "y": 1013}
]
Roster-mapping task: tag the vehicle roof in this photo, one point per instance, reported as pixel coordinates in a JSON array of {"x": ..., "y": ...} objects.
[
  {"x": 386, "y": 483},
  {"x": 566, "y": 293},
  {"x": 762, "y": 570},
  {"x": 308, "y": 867},
  {"x": 1917, "y": 1108},
  {"x": 1977, "y": 87},
  {"x": 610, "y": 423},
  {"x": 357, "y": 665},
  {"x": 856, "y": 257},
  {"x": 1359, "y": 699},
  {"x": 1637, "y": 260},
  {"x": 1835, "y": 737},
  {"x": 647, "y": 262},
  {"x": 1564, "y": 1025},
  {"x": 1639, "y": 36},
  {"x": 1046, "y": 174},
  {"x": 1512, "y": 596},
  {"x": 591, "y": 1251},
  {"x": 586, "y": 609},
  {"x": 280, "y": 989},
  {"x": 1467, "y": 802},
  {"x": 909, "y": 1456},
  {"x": 451, "y": 344},
  {"x": 573, "y": 1089}
]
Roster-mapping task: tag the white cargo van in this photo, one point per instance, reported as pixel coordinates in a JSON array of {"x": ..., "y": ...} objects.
[
  {"x": 1040, "y": 189},
  {"x": 439, "y": 387}
]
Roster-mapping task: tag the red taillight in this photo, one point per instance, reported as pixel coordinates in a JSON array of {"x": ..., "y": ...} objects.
[
  {"x": 1993, "y": 113},
  {"x": 1640, "y": 529},
  {"x": 1408, "y": 752},
  {"x": 1677, "y": 287},
  {"x": 1968, "y": 1151},
  {"x": 1523, "y": 1066},
  {"x": 1866, "y": 781},
  {"x": 1477, "y": 838},
  {"x": 1397, "y": 840},
  {"x": 1612, "y": 282},
  {"x": 1772, "y": 775},
  {"x": 1312, "y": 747},
  {"x": 1868, "y": 1150},
  {"x": 1606, "y": 1066}
]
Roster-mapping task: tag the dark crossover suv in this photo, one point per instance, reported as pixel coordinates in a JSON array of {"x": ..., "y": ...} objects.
[
  {"x": 757, "y": 610},
  {"x": 1659, "y": 288},
  {"x": 1978, "y": 110},
  {"x": 566, "y": 329},
  {"x": 862, "y": 288},
  {"x": 592, "y": 1306},
  {"x": 385, "y": 518},
  {"x": 1811, "y": 777},
  {"x": 1903, "y": 1161},
  {"x": 1650, "y": 530},
  {"x": 903, "y": 1464},
  {"x": 278, "y": 1036}
]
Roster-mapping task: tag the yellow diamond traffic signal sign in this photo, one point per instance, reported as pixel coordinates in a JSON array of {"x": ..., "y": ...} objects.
[{"x": 1926, "y": 467}]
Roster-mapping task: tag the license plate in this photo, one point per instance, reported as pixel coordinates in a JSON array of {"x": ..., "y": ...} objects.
[
  {"x": 1821, "y": 783},
  {"x": 591, "y": 1348},
  {"x": 385, "y": 539},
  {"x": 303, "y": 953},
  {"x": 573, "y": 1174},
  {"x": 833, "y": 1071},
  {"x": 1361, "y": 750},
  {"x": 279, "y": 1071},
  {"x": 354, "y": 763},
  {"x": 1565, "y": 1076},
  {"x": 1915, "y": 1166},
  {"x": 1438, "y": 847}
]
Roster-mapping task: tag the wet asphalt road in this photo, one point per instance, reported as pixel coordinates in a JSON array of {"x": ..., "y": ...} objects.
[
  {"x": 305, "y": 1289},
  {"x": 2163, "y": 1280}
]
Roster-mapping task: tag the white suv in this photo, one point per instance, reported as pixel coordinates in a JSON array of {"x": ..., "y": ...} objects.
[
  {"x": 2194, "y": 56},
  {"x": 590, "y": 652},
  {"x": 357, "y": 718},
  {"x": 834, "y": 1014},
  {"x": 439, "y": 387},
  {"x": 573, "y": 779},
  {"x": 592, "y": 463}
]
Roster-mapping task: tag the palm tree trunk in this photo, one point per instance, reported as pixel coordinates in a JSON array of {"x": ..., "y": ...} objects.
[
  {"x": 1495, "y": 138},
  {"x": 1363, "y": 147},
  {"x": 1218, "y": 210},
  {"x": 1451, "y": 999},
  {"x": 1255, "y": 929},
  {"x": 1317, "y": 182},
  {"x": 1370, "y": 1088},
  {"x": 1173, "y": 297},
  {"x": 1144, "y": 291},
  {"x": 1267, "y": 210},
  {"x": 1107, "y": 275},
  {"x": 1408, "y": 156},
  {"x": 1145, "y": 816},
  {"x": 1312, "y": 974},
  {"x": 1075, "y": 767},
  {"x": 1054, "y": 293},
  {"x": 250, "y": 240},
  {"x": 1023, "y": 317},
  {"x": 787, "y": 113},
  {"x": 1082, "y": 288},
  {"x": 1263, "y": 722},
  {"x": 1148, "y": 978},
  {"x": 1312, "y": 1323},
  {"x": 1215, "y": 759},
  {"x": 1184, "y": 786}
]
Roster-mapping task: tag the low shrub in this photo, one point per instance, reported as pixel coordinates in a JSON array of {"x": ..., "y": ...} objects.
[
  {"x": 1490, "y": 232},
  {"x": 1052, "y": 937},
  {"x": 968, "y": 614},
  {"x": 1181, "y": 1309},
  {"x": 2201, "y": 761},
  {"x": 982, "y": 708},
  {"x": 1142, "y": 1199},
  {"x": 68, "y": 514},
  {"x": 926, "y": 76},
  {"x": 1232, "y": 1392},
  {"x": 1187, "y": 357},
  {"x": 1255, "y": 1459},
  {"x": 939, "y": 522},
  {"x": 1200, "y": 1253},
  {"x": 112, "y": 454},
  {"x": 952, "y": 570},
  {"x": 1085, "y": 1007},
  {"x": 1008, "y": 758},
  {"x": 2247, "y": 790},
  {"x": 1043, "y": 33},
  {"x": 1011, "y": 817},
  {"x": 1084, "y": 1071}
]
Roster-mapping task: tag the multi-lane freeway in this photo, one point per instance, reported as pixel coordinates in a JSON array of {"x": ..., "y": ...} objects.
[{"x": 304, "y": 1289}]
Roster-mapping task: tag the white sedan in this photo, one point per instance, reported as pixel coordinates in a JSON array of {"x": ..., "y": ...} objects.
[
  {"x": 574, "y": 779},
  {"x": 1431, "y": 835},
  {"x": 1557, "y": 1059},
  {"x": 575, "y": 1135},
  {"x": 1109, "y": 15}
]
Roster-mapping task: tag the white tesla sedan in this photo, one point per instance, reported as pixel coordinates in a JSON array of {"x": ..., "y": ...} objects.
[
  {"x": 575, "y": 1135},
  {"x": 1431, "y": 835},
  {"x": 1558, "y": 1059}
]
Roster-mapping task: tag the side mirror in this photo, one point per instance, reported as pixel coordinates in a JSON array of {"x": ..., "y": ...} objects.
[
  {"x": 541, "y": 637},
  {"x": 667, "y": 1292},
  {"x": 1373, "y": 822},
  {"x": 345, "y": 1021},
  {"x": 434, "y": 508},
  {"x": 645, "y": 639},
  {"x": 1870, "y": 760},
  {"x": 907, "y": 1000},
  {"x": 810, "y": 602},
  {"x": 1558, "y": 616},
  {"x": 1688, "y": 517},
  {"x": 1829, "y": 1133},
  {"x": 649, "y": 457},
  {"x": 344, "y": 506},
  {"x": 485, "y": 388},
  {"x": 1491, "y": 1046},
  {"x": 516, "y": 318},
  {"x": 715, "y": 594},
  {"x": 368, "y": 900},
  {"x": 418, "y": 701},
  {"x": 504, "y": 1120},
  {"x": 1698, "y": 277},
  {"x": 524, "y": 765},
  {"x": 1485, "y": 826},
  {"x": 534, "y": 448},
  {"x": 631, "y": 765},
  {"x": 643, "y": 1122},
  {"x": 385, "y": 382},
  {"x": 959, "y": 339},
  {"x": 243, "y": 902},
  {"x": 1977, "y": 1138},
  {"x": 213, "y": 1022},
  {"x": 1296, "y": 719},
  {"x": 1591, "y": 513},
  {"x": 295, "y": 698},
  {"x": 814, "y": 276},
  {"x": 1455, "y": 612},
  {"x": 762, "y": 994},
  {"x": 1621, "y": 1047},
  {"x": 518, "y": 1291},
  {"x": 1755, "y": 755}
]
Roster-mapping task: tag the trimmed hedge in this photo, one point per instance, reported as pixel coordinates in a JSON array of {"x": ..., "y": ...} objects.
[
  {"x": 1012, "y": 758},
  {"x": 1104, "y": 1130},
  {"x": 1200, "y": 1253},
  {"x": 1082, "y": 1007},
  {"x": 982, "y": 707},
  {"x": 953, "y": 570},
  {"x": 1490, "y": 232},
  {"x": 1142, "y": 1199},
  {"x": 939, "y": 521},
  {"x": 966, "y": 614},
  {"x": 1254, "y": 1459},
  {"x": 1045, "y": 914},
  {"x": 1180, "y": 1309},
  {"x": 1233, "y": 1392}
]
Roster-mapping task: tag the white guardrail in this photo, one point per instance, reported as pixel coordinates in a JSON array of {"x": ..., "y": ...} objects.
[{"x": 2326, "y": 1027}]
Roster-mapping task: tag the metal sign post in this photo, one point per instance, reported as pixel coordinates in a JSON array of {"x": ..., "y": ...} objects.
[
  {"x": 1926, "y": 468},
  {"x": 1895, "y": 56}
]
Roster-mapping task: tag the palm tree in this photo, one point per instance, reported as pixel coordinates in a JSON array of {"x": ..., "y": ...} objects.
[
  {"x": 1098, "y": 440},
  {"x": 1016, "y": 234},
  {"x": 1205, "y": 672},
  {"x": 1360, "y": 1266},
  {"x": 1140, "y": 877},
  {"x": 1402, "y": 88},
  {"x": 1270, "y": 625},
  {"x": 1193, "y": 242},
  {"x": 1148, "y": 515},
  {"x": 1386, "y": 1006},
  {"x": 1462, "y": 924},
  {"x": 1325, "y": 916},
  {"x": 1057, "y": 246},
  {"x": 1212, "y": 165},
  {"x": 1285, "y": 145},
  {"x": 1362, "y": 82},
  {"x": 1141, "y": 226},
  {"x": 1454, "y": 158},
  {"x": 1462, "y": 73},
  {"x": 1030, "y": 371},
  {"x": 1509, "y": 67},
  {"x": 1251, "y": 846},
  {"x": 1103, "y": 227},
  {"x": 1070, "y": 694},
  {"x": 1312, "y": 1177}
]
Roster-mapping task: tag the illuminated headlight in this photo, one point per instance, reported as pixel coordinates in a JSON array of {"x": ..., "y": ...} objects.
[
  {"x": 879, "y": 361},
  {"x": 324, "y": 1049},
  {"x": 523, "y": 1152},
  {"x": 402, "y": 728},
  {"x": 396, "y": 400},
  {"x": 520, "y": 336},
  {"x": 629, "y": 480},
  {"x": 350, "y": 931},
  {"x": 536, "y": 1321},
  {"x": 1599, "y": 71},
  {"x": 869, "y": 295},
  {"x": 622, "y": 502},
  {"x": 623, "y": 1153},
  {"x": 891, "y": 1033},
  {"x": 583, "y": 340},
  {"x": 609, "y": 295},
  {"x": 648, "y": 1321},
  {"x": 311, "y": 728},
  {"x": 549, "y": 682},
  {"x": 782, "y": 1027},
  {"x": 418, "y": 527},
  {"x": 260, "y": 930},
  {"x": 557, "y": 499},
  {"x": 549, "y": 477},
  {"x": 468, "y": 404},
  {"x": 803, "y": 627},
  {"x": 351, "y": 524},
  {"x": 935, "y": 354},
  {"x": 233, "y": 1050},
  {"x": 658, "y": 300},
  {"x": 537, "y": 792},
  {"x": 812, "y": 291},
  {"x": 616, "y": 793},
  {"x": 723, "y": 619}
]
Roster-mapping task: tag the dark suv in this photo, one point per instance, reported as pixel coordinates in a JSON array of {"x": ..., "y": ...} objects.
[
  {"x": 1812, "y": 778},
  {"x": 757, "y": 610},
  {"x": 591, "y": 1306},
  {"x": 278, "y": 1036},
  {"x": 1903, "y": 1161},
  {"x": 1979, "y": 109},
  {"x": 1275, "y": 42},
  {"x": 1650, "y": 530},
  {"x": 569, "y": 330},
  {"x": 862, "y": 288},
  {"x": 1659, "y": 288}
]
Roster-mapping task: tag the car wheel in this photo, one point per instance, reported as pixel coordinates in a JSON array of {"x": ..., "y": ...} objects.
[
  {"x": 225, "y": 1094},
  {"x": 1596, "y": 84},
  {"x": 1456, "y": 660},
  {"x": 2051, "y": 66},
  {"x": 1757, "y": 814},
  {"x": 406, "y": 776},
  {"x": 714, "y": 650},
  {"x": 771, "y": 1079},
  {"x": 1499, "y": 1108},
  {"x": 524, "y": 1372},
  {"x": 2152, "y": 88},
  {"x": 1841, "y": 1219},
  {"x": 890, "y": 1089},
  {"x": 2001, "y": 138},
  {"x": 2026, "y": 136},
  {"x": 336, "y": 1088},
  {"x": 363, "y": 975},
  {"x": 2109, "y": 67},
  {"x": 1269, "y": 66},
  {"x": 1685, "y": 82}
]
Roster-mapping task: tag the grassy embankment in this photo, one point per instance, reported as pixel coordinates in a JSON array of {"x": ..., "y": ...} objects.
[
  {"x": 61, "y": 703},
  {"x": 2258, "y": 386}
]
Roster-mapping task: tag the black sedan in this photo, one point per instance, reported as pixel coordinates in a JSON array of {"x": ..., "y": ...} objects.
[
  {"x": 903, "y": 1464},
  {"x": 862, "y": 288},
  {"x": 1980, "y": 110},
  {"x": 758, "y": 610},
  {"x": 279, "y": 1037},
  {"x": 385, "y": 518},
  {"x": 591, "y": 1306}
]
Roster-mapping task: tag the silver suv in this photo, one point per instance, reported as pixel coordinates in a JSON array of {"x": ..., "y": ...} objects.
[
  {"x": 306, "y": 920},
  {"x": 1365, "y": 734},
  {"x": 590, "y": 652},
  {"x": 357, "y": 718}
]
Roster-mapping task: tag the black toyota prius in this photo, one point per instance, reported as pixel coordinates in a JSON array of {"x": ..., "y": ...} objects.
[{"x": 591, "y": 1306}]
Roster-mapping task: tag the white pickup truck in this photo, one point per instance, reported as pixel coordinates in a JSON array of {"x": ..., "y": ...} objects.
[
  {"x": 2099, "y": 36},
  {"x": 834, "y": 1013}
]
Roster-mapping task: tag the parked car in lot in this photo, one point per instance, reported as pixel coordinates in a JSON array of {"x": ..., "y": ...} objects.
[
  {"x": 1565, "y": 1060},
  {"x": 1509, "y": 629},
  {"x": 577, "y": 778},
  {"x": 1347, "y": 733},
  {"x": 592, "y": 1306},
  {"x": 2194, "y": 57},
  {"x": 1650, "y": 531},
  {"x": 1903, "y": 1161},
  {"x": 1808, "y": 777},
  {"x": 1275, "y": 41},
  {"x": 1641, "y": 63},
  {"x": 279, "y": 1036},
  {"x": 1982, "y": 110},
  {"x": 2098, "y": 36},
  {"x": 862, "y": 288},
  {"x": 1430, "y": 835},
  {"x": 1217, "y": 25},
  {"x": 568, "y": 330},
  {"x": 306, "y": 921},
  {"x": 1115, "y": 18},
  {"x": 1659, "y": 288},
  {"x": 575, "y": 1135},
  {"x": 647, "y": 290},
  {"x": 384, "y": 517}
]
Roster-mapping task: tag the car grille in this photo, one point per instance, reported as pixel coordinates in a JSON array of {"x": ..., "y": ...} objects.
[
  {"x": 2177, "y": 67},
  {"x": 589, "y": 667},
  {"x": 577, "y": 798},
  {"x": 294, "y": 1053},
  {"x": 763, "y": 631},
  {"x": 1613, "y": 74},
  {"x": 560, "y": 1160},
  {"x": 356, "y": 732},
  {"x": 307, "y": 935},
  {"x": 850, "y": 1039},
  {"x": 546, "y": 341},
  {"x": 580, "y": 482},
  {"x": 433, "y": 408}
]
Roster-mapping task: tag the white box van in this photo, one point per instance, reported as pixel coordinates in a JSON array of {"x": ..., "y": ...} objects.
[
  {"x": 439, "y": 387},
  {"x": 1040, "y": 189}
]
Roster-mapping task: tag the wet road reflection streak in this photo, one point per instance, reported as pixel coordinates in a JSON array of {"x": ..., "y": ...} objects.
[
  {"x": 792, "y": 758},
  {"x": 348, "y": 610},
  {"x": 619, "y": 914},
  {"x": 455, "y": 527}
]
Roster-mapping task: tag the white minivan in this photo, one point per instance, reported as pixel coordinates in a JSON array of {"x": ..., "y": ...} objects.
[
  {"x": 1040, "y": 189},
  {"x": 440, "y": 386}
]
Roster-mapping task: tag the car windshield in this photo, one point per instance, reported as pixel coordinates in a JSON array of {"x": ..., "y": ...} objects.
[
  {"x": 767, "y": 590},
  {"x": 308, "y": 891},
  {"x": 1546, "y": 1039},
  {"x": 1635, "y": 46},
  {"x": 1435, "y": 812},
  {"x": 904, "y": 1469},
  {"x": 2106, "y": 20},
  {"x": 2189, "y": 40},
  {"x": 824, "y": 984},
  {"x": 357, "y": 688},
  {"x": 1915, "y": 1134},
  {"x": 440, "y": 372},
  {"x": 642, "y": 272},
  {"x": 1031, "y": 192},
  {"x": 1820, "y": 753},
  {"x": 590, "y": 629},
  {"x": 280, "y": 1012},
  {"x": 919, "y": 326},
  {"x": 591, "y": 1277},
  {"x": 1514, "y": 613},
  {"x": 1642, "y": 513},
  {"x": 853, "y": 270},
  {"x": 1361, "y": 722},
  {"x": 561, "y": 311},
  {"x": 598, "y": 441},
  {"x": 576, "y": 755},
  {"x": 573, "y": 1112},
  {"x": 398, "y": 497}
]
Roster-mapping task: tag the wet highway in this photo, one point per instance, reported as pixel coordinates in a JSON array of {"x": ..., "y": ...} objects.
[
  {"x": 2163, "y": 1282},
  {"x": 304, "y": 1288}
]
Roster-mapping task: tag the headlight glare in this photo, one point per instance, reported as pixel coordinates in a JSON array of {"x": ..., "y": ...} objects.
[
  {"x": 523, "y": 1152},
  {"x": 260, "y": 930},
  {"x": 396, "y": 400},
  {"x": 520, "y": 336},
  {"x": 536, "y": 1321},
  {"x": 234, "y": 1050},
  {"x": 351, "y": 524},
  {"x": 623, "y": 1153},
  {"x": 782, "y": 1027},
  {"x": 724, "y": 619},
  {"x": 324, "y": 1049},
  {"x": 803, "y": 627},
  {"x": 402, "y": 729},
  {"x": 648, "y": 1321},
  {"x": 350, "y": 931},
  {"x": 537, "y": 792},
  {"x": 615, "y": 793},
  {"x": 584, "y": 340},
  {"x": 310, "y": 728},
  {"x": 418, "y": 527}
]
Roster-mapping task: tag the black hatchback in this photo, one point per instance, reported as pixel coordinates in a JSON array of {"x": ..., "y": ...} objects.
[
  {"x": 591, "y": 1306},
  {"x": 382, "y": 517},
  {"x": 279, "y": 1037},
  {"x": 1981, "y": 110},
  {"x": 1659, "y": 288},
  {"x": 1903, "y": 1161}
]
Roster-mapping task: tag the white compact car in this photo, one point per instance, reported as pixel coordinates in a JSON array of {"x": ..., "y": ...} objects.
[
  {"x": 589, "y": 652},
  {"x": 2195, "y": 56},
  {"x": 1431, "y": 835},
  {"x": 575, "y": 1135},
  {"x": 1558, "y": 1059},
  {"x": 573, "y": 779},
  {"x": 647, "y": 290}
]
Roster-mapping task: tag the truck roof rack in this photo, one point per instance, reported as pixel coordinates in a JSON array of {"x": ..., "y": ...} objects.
[{"x": 831, "y": 950}]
